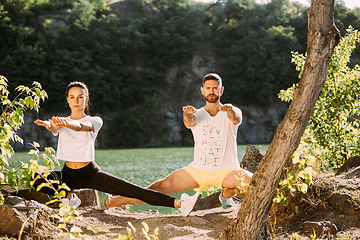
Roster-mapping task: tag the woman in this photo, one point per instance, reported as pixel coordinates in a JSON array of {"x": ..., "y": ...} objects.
[{"x": 77, "y": 134}]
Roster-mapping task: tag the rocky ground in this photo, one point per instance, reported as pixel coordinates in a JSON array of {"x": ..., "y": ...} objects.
[
  {"x": 330, "y": 210},
  {"x": 201, "y": 224}
]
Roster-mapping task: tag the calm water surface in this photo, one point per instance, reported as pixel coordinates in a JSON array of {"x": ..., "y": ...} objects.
[{"x": 142, "y": 166}]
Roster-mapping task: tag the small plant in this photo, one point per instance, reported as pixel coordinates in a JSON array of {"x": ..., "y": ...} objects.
[
  {"x": 240, "y": 189},
  {"x": 66, "y": 214},
  {"x": 145, "y": 230},
  {"x": 298, "y": 177},
  {"x": 295, "y": 238},
  {"x": 313, "y": 236},
  {"x": 243, "y": 185},
  {"x": 210, "y": 190},
  {"x": 12, "y": 118}
]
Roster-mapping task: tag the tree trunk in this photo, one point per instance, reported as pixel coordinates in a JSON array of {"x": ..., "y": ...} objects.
[{"x": 323, "y": 36}]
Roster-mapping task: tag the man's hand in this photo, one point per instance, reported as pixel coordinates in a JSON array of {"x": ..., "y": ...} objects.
[
  {"x": 234, "y": 114},
  {"x": 189, "y": 109},
  {"x": 226, "y": 107},
  {"x": 188, "y": 116}
]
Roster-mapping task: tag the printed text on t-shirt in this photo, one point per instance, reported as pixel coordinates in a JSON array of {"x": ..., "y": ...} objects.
[{"x": 211, "y": 146}]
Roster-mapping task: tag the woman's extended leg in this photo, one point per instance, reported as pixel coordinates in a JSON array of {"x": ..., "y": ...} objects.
[{"x": 108, "y": 183}]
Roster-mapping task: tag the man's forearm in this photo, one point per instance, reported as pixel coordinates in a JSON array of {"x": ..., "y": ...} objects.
[
  {"x": 189, "y": 119},
  {"x": 235, "y": 115}
]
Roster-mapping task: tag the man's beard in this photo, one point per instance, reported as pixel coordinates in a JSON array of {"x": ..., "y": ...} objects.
[{"x": 212, "y": 98}]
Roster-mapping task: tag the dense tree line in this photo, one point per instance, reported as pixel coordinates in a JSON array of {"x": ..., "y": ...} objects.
[{"x": 123, "y": 57}]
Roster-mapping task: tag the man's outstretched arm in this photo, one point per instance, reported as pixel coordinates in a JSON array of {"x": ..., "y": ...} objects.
[
  {"x": 234, "y": 114},
  {"x": 189, "y": 116}
]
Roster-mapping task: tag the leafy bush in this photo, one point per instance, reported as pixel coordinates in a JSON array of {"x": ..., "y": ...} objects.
[
  {"x": 12, "y": 118},
  {"x": 333, "y": 130},
  {"x": 332, "y": 133},
  {"x": 124, "y": 53}
]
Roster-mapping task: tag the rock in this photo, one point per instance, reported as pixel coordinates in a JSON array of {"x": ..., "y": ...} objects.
[
  {"x": 341, "y": 201},
  {"x": 87, "y": 196},
  {"x": 208, "y": 202},
  {"x": 12, "y": 220},
  {"x": 353, "y": 161},
  {"x": 17, "y": 212},
  {"x": 324, "y": 228},
  {"x": 251, "y": 159},
  {"x": 33, "y": 195},
  {"x": 353, "y": 173}
]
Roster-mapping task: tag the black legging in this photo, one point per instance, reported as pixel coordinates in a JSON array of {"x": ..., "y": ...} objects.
[{"x": 91, "y": 176}]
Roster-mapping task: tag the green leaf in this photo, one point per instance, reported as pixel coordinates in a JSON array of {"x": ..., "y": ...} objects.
[{"x": 29, "y": 102}]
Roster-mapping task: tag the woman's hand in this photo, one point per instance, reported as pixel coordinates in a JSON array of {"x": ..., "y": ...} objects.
[
  {"x": 49, "y": 126},
  {"x": 58, "y": 122},
  {"x": 42, "y": 123}
]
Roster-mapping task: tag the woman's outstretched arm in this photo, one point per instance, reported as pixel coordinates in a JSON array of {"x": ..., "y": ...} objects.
[
  {"x": 58, "y": 122},
  {"x": 46, "y": 124}
]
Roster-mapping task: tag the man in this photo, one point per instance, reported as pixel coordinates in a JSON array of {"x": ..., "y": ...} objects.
[{"x": 215, "y": 163}]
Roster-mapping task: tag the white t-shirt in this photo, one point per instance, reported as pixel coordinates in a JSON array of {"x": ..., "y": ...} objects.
[
  {"x": 215, "y": 142},
  {"x": 78, "y": 146}
]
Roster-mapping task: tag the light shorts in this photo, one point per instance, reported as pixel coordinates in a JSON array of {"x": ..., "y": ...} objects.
[{"x": 207, "y": 179}]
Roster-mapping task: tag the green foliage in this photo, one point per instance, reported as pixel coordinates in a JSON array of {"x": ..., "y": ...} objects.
[
  {"x": 171, "y": 33},
  {"x": 210, "y": 190},
  {"x": 299, "y": 177},
  {"x": 12, "y": 118},
  {"x": 140, "y": 124},
  {"x": 125, "y": 57},
  {"x": 333, "y": 129},
  {"x": 332, "y": 134},
  {"x": 67, "y": 216},
  {"x": 252, "y": 46}
]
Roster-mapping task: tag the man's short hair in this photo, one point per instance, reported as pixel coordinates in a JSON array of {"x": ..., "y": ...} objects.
[{"x": 212, "y": 76}]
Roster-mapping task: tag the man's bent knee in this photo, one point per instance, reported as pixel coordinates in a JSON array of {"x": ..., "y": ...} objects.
[{"x": 160, "y": 186}]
